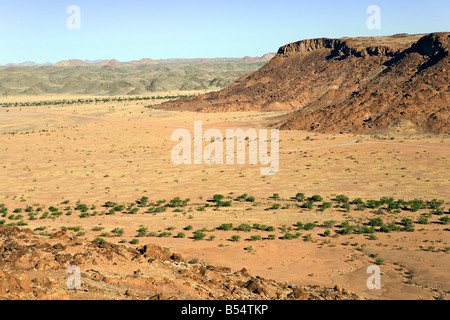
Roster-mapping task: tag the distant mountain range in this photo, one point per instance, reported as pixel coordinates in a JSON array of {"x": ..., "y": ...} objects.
[
  {"x": 146, "y": 61},
  {"x": 111, "y": 77}
]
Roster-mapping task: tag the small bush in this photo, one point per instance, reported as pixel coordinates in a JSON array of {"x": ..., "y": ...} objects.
[
  {"x": 226, "y": 226},
  {"x": 329, "y": 223},
  {"x": 82, "y": 207},
  {"x": 445, "y": 220},
  {"x": 98, "y": 240},
  {"x": 342, "y": 198},
  {"x": 235, "y": 238},
  {"x": 309, "y": 226},
  {"x": 423, "y": 220},
  {"x": 377, "y": 222},
  {"x": 325, "y": 205},
  {"x": 198, "y": 235},
  {"x": 164, "y": 235},
  {"x": 244, "y": 227},
  {"x": 299, "y": 197},
  {"x": 315, "y": 198}
]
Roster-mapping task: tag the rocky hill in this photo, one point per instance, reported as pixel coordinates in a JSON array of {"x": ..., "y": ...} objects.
[
  {"x": 346, "y": 85},
  {"x": 33, "y": 267}
]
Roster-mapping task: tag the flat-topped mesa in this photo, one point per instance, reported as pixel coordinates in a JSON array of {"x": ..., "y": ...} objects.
[
  {"x": 339, "y": 47},
  {"x": 310, "y": 45}
]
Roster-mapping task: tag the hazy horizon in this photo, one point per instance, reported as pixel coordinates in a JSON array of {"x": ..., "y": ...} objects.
[{"x": 38, "y": 30}]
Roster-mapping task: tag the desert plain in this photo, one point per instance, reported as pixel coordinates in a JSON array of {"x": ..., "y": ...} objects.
[{"x": 55, "y": 158}]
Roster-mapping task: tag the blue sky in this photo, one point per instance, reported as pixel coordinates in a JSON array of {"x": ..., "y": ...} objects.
[{"x": 35, "y": 30}]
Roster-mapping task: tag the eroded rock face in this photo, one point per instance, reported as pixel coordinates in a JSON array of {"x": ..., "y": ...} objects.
[
  {"x": 110, "y": 271},
  {"x": 346, "y": 85}
]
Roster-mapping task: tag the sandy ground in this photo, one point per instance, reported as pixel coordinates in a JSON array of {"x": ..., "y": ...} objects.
[{"x": 120, "y": 151}]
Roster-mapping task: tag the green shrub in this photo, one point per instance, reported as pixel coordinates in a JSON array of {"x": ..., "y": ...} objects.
[
  {"x": 299, "y": 197},
  {"x": 242, "y": 197},
  {"x": 118, "y": 231},
  {"x": 235, "y": 238},
  {"x": 435, "y": 204},
  {"x": 372, "y": 204},
  {"x": 110, "y": 204},
  {"x": 309, "y": 226},
  {"x": 315, "y": 198},
  {"x": 346, "y": 228},
  {"x": 180, "y": 235},
  {"x": 271, "y": 237},
  {"x": 423, "y": 220},
  {"x": 198, "y": 235},
  {"x": 98, "y": 240},
  {"x": 142, "y": 202},
  {"x": 82, "y": 207},
  {"x": 255, "y": 238},
  {"x": 365, "y": 229},
  {"x": 325, "y": 205},
  {"x": 84, "y": 214},
  {"x": 142, "y": 231},
  {"x": 445, "y": 220},
  {"x": 408, "y": 224},
  {"x": 226, "y": 226},
  {"x": 329, "y": 223},
  {"x": 188, "y": 228},
  {"x": 416, "y": 205},
  {"x": 346, "y": 206},
  {"x": 377, "y": 222},
  {"x": 342, "y": 198},
  {"x": 164, "y": 234},
  {"x": 308, "y": 205},
  {"x": 134, "y": 241},
  {"x": 177, "y": 202},
  {"x": 373, "y": 237},
  {"x": 275, "y": 206},
  {"x": 243, "y": 227},
  {"x": 290, "y": 236}
]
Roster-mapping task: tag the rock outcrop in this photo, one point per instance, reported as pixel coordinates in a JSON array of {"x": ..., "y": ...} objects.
[
  {"x": 34, "y": 267},
  {"x": 346, "y": 85}
]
